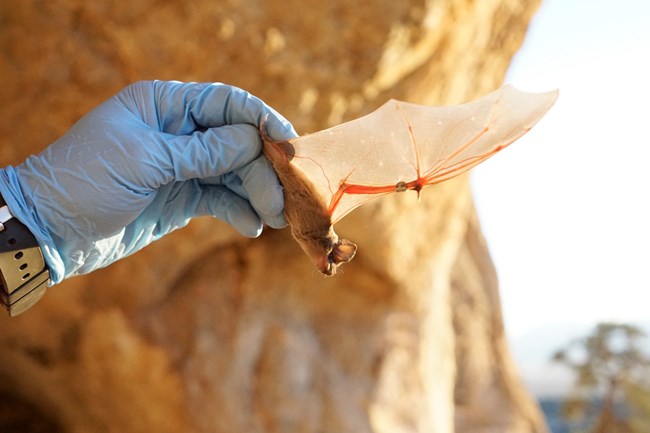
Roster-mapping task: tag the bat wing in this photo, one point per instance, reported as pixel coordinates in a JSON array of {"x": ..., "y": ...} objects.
[{"x": 407, "y": 146}]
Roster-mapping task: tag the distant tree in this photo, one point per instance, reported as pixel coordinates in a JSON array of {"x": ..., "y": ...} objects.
[{"x": 612, "y": 383}]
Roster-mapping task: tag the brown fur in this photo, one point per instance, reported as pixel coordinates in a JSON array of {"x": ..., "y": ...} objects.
[{"x": 311, "y": 225}]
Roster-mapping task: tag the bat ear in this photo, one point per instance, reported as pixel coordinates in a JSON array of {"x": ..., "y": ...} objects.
[{"x": 343, "y": 251}]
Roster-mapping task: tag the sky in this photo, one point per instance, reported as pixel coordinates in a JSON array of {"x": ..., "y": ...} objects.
[{"x": 566, "y": 209}]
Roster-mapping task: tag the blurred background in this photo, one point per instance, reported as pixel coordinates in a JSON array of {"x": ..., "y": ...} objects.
[{"x": 566, "y": 213}]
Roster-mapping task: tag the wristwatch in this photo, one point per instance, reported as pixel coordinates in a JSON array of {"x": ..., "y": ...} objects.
[{"x": 24, "y": 276}]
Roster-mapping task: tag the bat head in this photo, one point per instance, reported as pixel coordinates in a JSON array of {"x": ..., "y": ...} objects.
[
  {"x": 325, "y": 249},
  {"x": 341, "y": 252}
]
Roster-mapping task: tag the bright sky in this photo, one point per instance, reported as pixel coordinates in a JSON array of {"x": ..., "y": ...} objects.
[{"x": 566, "y": 209}]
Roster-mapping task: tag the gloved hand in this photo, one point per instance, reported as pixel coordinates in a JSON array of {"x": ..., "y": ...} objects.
[{"x": 142, "y": 164}]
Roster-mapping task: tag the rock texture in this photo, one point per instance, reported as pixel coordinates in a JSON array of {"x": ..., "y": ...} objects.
[{"x": 205, "y": 331}]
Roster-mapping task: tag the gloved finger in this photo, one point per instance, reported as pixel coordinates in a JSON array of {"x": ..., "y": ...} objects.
[
  {"x": 278, "y": 221},
  {"x": 185, "y": 107},
  {"x": 176, "y": 203},
  {"x": 222, "y": 203},
  {"x": 267, "y": 212},
  {"x": 207, "y": 154},
  {"x": 264, "y": 191},
  {"x": 180, "y": 201}
]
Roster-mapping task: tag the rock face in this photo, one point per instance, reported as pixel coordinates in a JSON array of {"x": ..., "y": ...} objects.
[{"x": 205, "y": 331}]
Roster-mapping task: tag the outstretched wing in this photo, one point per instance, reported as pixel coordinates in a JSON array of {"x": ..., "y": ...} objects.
[{"x": 403, "y": 146}]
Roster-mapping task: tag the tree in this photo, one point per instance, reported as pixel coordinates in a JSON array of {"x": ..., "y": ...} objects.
[{"x": 612, "y": 383}]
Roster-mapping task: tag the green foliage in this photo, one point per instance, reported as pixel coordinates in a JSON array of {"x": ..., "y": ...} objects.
[{"x": 612, "y": 379}]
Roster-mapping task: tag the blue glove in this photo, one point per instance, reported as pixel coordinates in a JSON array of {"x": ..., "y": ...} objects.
[{"x": 143, "y": 164}]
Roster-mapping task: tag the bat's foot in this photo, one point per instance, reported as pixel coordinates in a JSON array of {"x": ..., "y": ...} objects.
[
  {"x": 276, "y": 151},
  {"x": 263, "y": 133}
]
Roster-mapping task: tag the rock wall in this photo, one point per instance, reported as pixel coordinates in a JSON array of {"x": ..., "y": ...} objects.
[{"x": 206, "y": 331}]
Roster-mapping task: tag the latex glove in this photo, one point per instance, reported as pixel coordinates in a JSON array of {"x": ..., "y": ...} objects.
[{"x": 143, "y": 164}]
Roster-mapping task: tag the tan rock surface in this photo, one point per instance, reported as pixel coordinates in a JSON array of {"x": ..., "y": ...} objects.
[{"x": 205, "y": 331}]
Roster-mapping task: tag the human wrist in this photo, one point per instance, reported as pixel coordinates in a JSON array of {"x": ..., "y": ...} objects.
[{"x": 24, "y": 211}]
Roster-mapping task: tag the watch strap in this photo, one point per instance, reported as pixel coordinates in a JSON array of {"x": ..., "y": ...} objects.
[{"x": 24, "y": 276}]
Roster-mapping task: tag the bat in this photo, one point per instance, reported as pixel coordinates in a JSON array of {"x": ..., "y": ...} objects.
[{"x": 399, "y": 147}]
